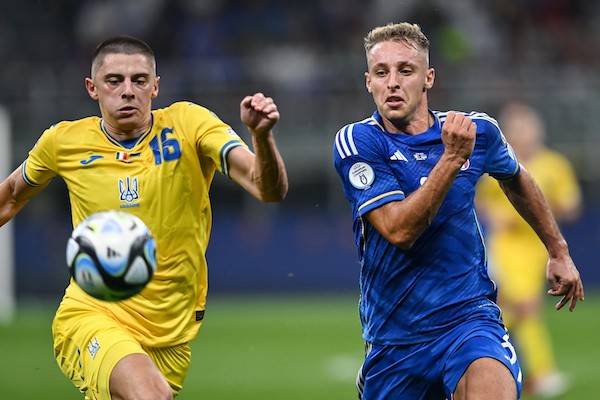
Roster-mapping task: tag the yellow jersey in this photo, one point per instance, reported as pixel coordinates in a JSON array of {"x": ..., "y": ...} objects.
[
  {"x": 163, "y": 178},
  {"x": 517, "y": 256}
]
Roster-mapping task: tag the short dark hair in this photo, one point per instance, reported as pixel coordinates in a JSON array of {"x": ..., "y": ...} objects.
[{"x": 121, "y": 45}]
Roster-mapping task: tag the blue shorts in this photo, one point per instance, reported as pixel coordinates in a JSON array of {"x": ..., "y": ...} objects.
[{"x": 431, "y": 371}]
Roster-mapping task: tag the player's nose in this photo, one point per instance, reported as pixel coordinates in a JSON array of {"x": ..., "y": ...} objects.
[
  {"x": 127, "y": 90},
  {"x": 393, "y": 82}
]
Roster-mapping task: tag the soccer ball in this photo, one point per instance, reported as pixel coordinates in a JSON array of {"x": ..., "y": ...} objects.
[{"x": 111, "y": 255}]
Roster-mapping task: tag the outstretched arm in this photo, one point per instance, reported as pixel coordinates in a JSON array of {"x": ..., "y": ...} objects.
[
  {"x": 14, "y": 194},
  {"x": 527, "y": 198},
  {"x": 261, "y": 173}
]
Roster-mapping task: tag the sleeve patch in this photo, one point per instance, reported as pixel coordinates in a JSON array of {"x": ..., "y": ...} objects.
[{"x": 361, "y": 175}]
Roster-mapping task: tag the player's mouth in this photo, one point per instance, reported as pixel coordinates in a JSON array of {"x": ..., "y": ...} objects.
[
  {"x": 127, "y": 110},
  {"x": 394, "y": 101}
]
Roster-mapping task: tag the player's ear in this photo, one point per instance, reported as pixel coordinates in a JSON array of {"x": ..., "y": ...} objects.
[
  {"x": 155, "y": 91},
  {"x": 368, "y": 82},
  {"x": 91, "y": 88},
  {"x": 429, "y": 79}
]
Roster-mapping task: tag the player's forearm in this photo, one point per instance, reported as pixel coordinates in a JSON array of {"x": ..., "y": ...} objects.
[
  {"x": 14, "y": 194},
  {"x": 6, "y": 207},
  {"x": 433, "y": 191},
  {"x": 8, "y": 204},
  {"x": 270, "y": 175},
  {"x": 527, "y": 198},
  {"x": 403, "y": 222}
]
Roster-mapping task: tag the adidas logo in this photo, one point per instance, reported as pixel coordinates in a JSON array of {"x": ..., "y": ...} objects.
[
  {"x": 397, "y": 156},
  {"x": 112, "y": 253}
]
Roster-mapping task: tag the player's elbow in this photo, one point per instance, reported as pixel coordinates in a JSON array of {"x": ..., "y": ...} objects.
[
  {"x": 275, "y": 195},
  {"x": 404, "y": 240},
  {"x": 404, "y": 245},
  {"x": 398, "y": 231},
  {"x": 8, "y": 209}
]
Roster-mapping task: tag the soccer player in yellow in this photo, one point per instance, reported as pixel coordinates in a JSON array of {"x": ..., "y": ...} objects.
[
  {"x": 517, "y": 257},
  {"x": 158, "y": 165}
]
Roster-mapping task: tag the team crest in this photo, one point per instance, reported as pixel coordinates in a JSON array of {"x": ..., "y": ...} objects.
[
  {"x": 129, "y": 190},
  {"x": 93, "y": 347}
]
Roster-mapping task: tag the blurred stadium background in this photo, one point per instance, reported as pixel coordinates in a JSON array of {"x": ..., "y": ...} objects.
[{"x": 307, "y": 55}]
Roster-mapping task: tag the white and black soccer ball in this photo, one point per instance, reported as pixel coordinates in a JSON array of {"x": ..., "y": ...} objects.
[{"x": 111, "y": 255}]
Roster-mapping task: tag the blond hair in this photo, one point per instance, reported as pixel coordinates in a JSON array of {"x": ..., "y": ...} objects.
[{"x": 403, "y": 31}]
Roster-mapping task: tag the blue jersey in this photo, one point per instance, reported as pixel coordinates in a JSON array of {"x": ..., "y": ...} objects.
[{"x": 411, "y": 296}]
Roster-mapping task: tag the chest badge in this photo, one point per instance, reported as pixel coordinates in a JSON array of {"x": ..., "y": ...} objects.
[{"x": 129, "y": 190}]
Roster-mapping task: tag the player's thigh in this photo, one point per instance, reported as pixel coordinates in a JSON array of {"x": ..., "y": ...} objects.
[
  {"x": 486, "y": 378},
  {"x": 400, "y": 372},
  {"x": 483, "y": 359},
  {"x": 136, "y": 376},
  {"x": 87, "y": 346}
]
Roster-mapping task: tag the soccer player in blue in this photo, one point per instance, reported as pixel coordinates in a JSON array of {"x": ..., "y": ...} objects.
[{"x": 430, "y": 322}]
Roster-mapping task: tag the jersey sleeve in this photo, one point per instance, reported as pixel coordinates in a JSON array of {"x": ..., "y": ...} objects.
[
  {"x": 361, "y": 163},
  {"x": 501, "y": 160},
  {"x": 40, "y": 165},
  {"x": 213, "y": 137}
]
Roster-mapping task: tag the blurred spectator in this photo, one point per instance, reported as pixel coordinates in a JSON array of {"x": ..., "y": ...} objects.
[
  {"x": 517, "y": 258},
  {"x": 548, "y": 31},
  {"x": 99, "y": 19},
  {"x": 307, "y": 51}
]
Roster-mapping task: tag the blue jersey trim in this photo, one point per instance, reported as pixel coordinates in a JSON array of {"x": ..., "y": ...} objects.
[
  {"x": 25, "y": 177},
  {"x": 129, "y": 143},
  {"x": 224, "y": 151}
]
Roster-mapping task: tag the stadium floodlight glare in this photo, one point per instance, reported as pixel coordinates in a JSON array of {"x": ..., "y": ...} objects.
[{"x": 7, "y": 282}]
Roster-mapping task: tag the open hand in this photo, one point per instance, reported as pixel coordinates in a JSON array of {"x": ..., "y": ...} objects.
[{"x": 564, "y": 281}]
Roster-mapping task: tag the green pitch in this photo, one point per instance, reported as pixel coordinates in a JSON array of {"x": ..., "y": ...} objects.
[{"x": 272, "y": 348}]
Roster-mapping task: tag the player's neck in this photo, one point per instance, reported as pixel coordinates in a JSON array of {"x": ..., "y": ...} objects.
[
  {"x": 418, "y": 124},
  {"x": 124, "y": 132}
]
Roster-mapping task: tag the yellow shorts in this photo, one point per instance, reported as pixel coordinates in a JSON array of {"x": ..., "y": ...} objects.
[{"x": 88, "y": 344}]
